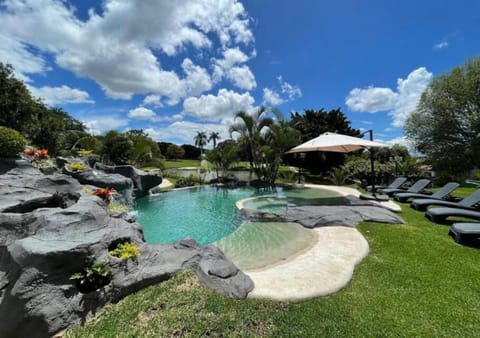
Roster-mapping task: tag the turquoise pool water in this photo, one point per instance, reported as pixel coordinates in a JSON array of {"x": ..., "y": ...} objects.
[{"x": 208, "y": 214}]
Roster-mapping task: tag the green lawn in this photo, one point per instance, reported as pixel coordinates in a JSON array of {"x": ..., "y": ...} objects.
[
  {"x": 170, "y": 164},
  {"x": 416, "y": 281}
]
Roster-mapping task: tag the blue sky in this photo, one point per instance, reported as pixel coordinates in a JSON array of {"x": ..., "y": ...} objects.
[{"x": 174, "y": 68}]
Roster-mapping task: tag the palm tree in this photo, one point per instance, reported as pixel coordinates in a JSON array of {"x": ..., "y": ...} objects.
[
  {"x": 251, "y": 128},
  {"x": 200, "y": 140},
  {"x": 214, "y": 136}
]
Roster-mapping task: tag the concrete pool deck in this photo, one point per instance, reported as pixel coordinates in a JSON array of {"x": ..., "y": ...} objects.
[{"x": 323, "y": 269}]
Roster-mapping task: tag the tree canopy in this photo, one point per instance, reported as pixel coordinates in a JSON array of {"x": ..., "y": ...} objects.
[{"x": 446, "y": 124}]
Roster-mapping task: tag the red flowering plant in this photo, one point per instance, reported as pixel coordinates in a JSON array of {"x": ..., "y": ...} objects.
[
  {"x": 41, "y": 154},
  {"x": 105, "y": 193},
  {"x": 29, "y": 152}
]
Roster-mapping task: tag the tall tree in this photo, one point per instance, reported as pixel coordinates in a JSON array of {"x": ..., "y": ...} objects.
[
  {"x": 446, "y": 124},
  {"x": 214, "y": 136},
  {"x": 201, "y": 140}
]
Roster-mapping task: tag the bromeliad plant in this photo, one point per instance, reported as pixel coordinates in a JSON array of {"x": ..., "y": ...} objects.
[
  {"x": 105, "y": 193},
  {"x": 94, "y": 275},
  {"x": 125, "y": 251}
]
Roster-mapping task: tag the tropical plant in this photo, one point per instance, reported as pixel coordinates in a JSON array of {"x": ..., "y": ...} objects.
[
  {"x": 338, "y": 176},
  {"x": 43, "y": 164},
  {"x": 41, "y": 154},
  {"x": 446, "y": 124},
  {"x": 200, "y": 140},
  {"x": 105, "y": 193},
  {"x": 11, "y": 142},
  {"x": 94, "y": 275},
  {"x": 85, "y": 152},
  {"x": 214, "y": 136},
  {"x": 117, "y": 147},
  {"x": 75, "y": 166},
  {"x": 114, "y": 207},
  {"x": 144, "y": 148},
  {"x": 125, "y": 251},
  {"x": 186, "y": 181},
  {"x": 223, "y": 156},
  {"x": 251, "y": 129}
]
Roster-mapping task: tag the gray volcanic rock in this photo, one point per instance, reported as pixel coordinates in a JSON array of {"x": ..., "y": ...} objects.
[
  {"x": 142, "y": 181},
  {"x": 221, "y": 275},
  {"x": 312, "y": 216},
  {"x": 100, "y": 179},
  {"x": 42, "y": 247}
]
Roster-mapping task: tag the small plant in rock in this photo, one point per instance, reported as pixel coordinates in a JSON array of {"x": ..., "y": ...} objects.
[
  {"x": 105, "y": 193},
  {"x": 125, "y": 251},
  {"x": 85, "y": 152},
  {"x": 43, "y": 164},
  {"x": 76, "y": 166},
  {"x": 30, "y": 152},
  {"x": 94, "y": 275},
  {"x": 114, "y": 207}
]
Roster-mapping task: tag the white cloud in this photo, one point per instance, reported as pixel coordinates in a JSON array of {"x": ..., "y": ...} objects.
[
  {"x": 141, "y": 113},
  {"x": 371, "y": 99},
  {"x": 399, "y": 104},
  {"x": 59, "y": 95},
  {"x": 184, "y": 131},
  {"x": 115, "y": 47},
  {"x": 231, "y": 68},
  {"x": 441, "y": 45},
  {"x": 367, "y": 122},
  {"x": 222, "y": 106},
  {"x": 101, "y": 124},
  {"x": 271, "y": 97},
  {"x": 153, "y": 100},
  {"x": 293, "y": 92}
]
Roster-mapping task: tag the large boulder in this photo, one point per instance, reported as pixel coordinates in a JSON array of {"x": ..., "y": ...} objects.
[
  {"x": 100, "y": 179},
  {"x": 142, "y": 181}
]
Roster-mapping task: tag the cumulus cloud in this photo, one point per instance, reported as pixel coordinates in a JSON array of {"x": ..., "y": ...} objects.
[
  {"x": 101, "y": 124},
  {"x": 153, "y": 100},
  {"x": 118, "y": 47},
  {"x": 293, "y": 92},
  {"x": 400, "y": 103},
  {"x": 218, "y": 107},
  {"x": 141, "y": 113},
  {"x": 271, "y": 97},
  {"x": 232, "y": 68},
  {"x": 60, "y": 95}
]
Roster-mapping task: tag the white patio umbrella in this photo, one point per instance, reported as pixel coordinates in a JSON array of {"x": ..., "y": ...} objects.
[
  {"x": 342, "y": 144},
  {"x": 335, "y": 142}
]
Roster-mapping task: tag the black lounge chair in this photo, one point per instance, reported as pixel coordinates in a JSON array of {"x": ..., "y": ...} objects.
[
  {"x": 416, "y": 188},
  {"x": 466, "y": 203},
  {"x": 465, "y": 233},
  {"x": 440, "y": 215},
  {"x": 439, "y": 195},
  {"x": 396, "y": 184}
]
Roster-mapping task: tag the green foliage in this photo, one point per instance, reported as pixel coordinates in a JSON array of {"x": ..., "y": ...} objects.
[
  {"x": 214, "y": 137},
  {"x": 75, "y": 166},
  {"x": 125, "y": 251},
  {"x": 224, "y": 156},
  {"x": 186, "y": 181},
  {"x": 43, "y": 164},
  {"x": 446, "y": 124},
  {"x": 144, "y": 148},
  {"x": 93, "y": 275},
  {"x": 117, "y": 147},
  {"x": 11, "y": 142},
  {"x": 338, "y": 176},
  {"x": 175, "y": 152},
  {"x": 360, "y": 168}
]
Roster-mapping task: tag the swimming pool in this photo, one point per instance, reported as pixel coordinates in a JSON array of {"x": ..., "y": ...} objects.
[{"x": 209, "y": 213}]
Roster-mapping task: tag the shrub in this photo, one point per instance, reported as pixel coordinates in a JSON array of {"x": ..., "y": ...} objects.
[
  {"x": 11, "y": 142},
  {"x": 85, "y": 152},
  {"x": 338, "y": 176},
  {"x": 43, "y": 164},
  {"x": 94, "y": 275},
  {"x": 126, "y": 250},
  {"x": 186, "y": 182}
]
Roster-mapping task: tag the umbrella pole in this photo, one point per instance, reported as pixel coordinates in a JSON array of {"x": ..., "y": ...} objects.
[{"x": 372, "y": 166}]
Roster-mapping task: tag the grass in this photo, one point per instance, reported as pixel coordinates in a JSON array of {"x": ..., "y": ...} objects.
[{"x": 416, "y": 281}]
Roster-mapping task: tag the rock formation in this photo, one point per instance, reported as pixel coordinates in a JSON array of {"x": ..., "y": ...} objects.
[{"x": 48, "y": 228}]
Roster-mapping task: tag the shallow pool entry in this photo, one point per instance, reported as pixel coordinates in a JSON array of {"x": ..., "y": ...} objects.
[{"x": 208, "y": 214}]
